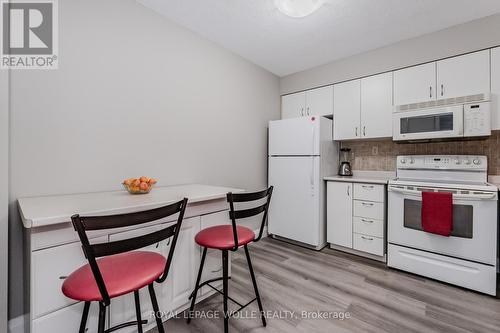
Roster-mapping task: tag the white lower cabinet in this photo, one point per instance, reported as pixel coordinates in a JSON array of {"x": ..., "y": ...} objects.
[
  {"x": 339, "y": 213},
  {"x": 50, "y": 274},
  {"x": 182, "y": 276},
  {"x": 356, "y": 217},
  {"x": 52, "y": 312},
  {"x": 369, "y": 244},
  {"x": 66, "y": 320}
]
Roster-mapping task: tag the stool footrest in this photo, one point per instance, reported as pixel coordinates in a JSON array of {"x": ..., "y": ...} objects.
[
  {"x": 242, "y": 307},
  {"x": 206, "y": 283},
  {"x": 127, "y": 324}
]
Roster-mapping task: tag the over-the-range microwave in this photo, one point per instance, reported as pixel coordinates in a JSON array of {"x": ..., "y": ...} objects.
[{"x": 444, "y": 119}]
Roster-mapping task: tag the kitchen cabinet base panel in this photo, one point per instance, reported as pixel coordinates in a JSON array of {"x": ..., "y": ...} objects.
[{"x": 359, "y": 253}]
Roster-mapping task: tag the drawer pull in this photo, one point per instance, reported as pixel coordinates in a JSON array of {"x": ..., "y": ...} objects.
[
  {"x": 63, "y": 277},
  {"x": 368, "y": 186},
  {"x": 367, "y": 238},
  {"x": 367, "y": 221},
  {"x": 367, "y": 204}
]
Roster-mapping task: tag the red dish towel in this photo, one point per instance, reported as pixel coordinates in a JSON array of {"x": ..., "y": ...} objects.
[{"x": 437, "y": 213}]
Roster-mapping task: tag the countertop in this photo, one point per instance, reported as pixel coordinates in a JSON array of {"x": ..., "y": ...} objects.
[
  {"x": 49, "y": 210},
  {"x": 370, "y": 177}
]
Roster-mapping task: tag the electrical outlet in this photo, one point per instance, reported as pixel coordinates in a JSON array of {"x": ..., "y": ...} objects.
[{"x": 375, "y": 150}]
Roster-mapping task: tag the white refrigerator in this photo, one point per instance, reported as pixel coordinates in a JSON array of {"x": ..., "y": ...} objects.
[{"x": 301, "y": 153}]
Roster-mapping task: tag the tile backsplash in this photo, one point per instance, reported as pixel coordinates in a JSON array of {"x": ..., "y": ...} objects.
[{"x": 380, "y": 155}]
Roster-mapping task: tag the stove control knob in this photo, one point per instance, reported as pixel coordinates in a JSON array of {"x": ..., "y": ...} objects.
[
  {"x": 403, "y": 161},
  {"x": 457, "y": 161},
  {"x": 477, "y": 161},
  {"x": 412, "y": 161}
]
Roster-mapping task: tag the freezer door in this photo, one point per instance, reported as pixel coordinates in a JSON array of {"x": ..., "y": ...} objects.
[
  {"x": 294, "y": 211},
  {"x": 295, "y": 136}
]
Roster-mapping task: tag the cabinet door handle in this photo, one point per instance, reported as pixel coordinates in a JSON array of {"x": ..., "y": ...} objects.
[
  {"x": 302, "y": 111},
  {"x": 367, "y": 186},
  {"x": 442, "y": 89},
  {"x": 364, "y": 130},
  {"x": 430, "y": 91},
  {"x": 367, "y": 238},
  {"x": 308, "y": 113},
  {"x": 348, "y": 194},
  {"x": 356, "y": 131},
  {"x": 63, "y": 277},
  {"x": 367, "y": 204},
  {"x": 366, "y": 221}
]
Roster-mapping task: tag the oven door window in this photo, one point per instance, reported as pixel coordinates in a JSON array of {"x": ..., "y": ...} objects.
[
  {"x": 429, "y": 123},
  {"x": 462, "y": 218}
]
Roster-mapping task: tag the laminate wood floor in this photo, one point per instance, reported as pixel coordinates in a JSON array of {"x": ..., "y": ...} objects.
[{"x": 378, "y": 299}]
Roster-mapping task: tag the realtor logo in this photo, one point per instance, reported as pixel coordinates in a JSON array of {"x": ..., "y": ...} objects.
[{"x": 29, "y": 35}]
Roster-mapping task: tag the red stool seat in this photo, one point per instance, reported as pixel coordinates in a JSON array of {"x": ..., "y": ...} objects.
[
  {"x": 122, "y": 273},
  {"x": 221, "y": 237}
]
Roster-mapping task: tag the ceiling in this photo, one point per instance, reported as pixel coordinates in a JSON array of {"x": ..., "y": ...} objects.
[{"x": 257, "y": 31}]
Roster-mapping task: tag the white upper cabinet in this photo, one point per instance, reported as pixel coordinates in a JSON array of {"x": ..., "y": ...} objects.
[
  {"x": 415, "y": 84},
  {"x": 347, "y": 110},
  {"x": 293, "y": 105},
  {"x": 319, "y": 102},
  {"x": 495, "y": 88},
  {"x": 376, "y": 106},
  {"x": 464, "y": 75},
  {"x": 314, "y": 102}
]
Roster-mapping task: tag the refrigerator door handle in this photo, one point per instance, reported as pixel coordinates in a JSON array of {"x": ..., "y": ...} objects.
[
  {"x": 312, "y": 173},
  {"x": 312, "y": 159}
]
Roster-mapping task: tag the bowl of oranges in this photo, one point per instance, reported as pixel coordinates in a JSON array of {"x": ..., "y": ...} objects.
[{"x": 142, "y": 185}]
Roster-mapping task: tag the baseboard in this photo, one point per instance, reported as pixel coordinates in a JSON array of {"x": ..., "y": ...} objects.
[{"x": 16, "y": 325}]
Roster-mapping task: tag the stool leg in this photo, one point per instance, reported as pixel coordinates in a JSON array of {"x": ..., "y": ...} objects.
[
  {"x": 102, "y": 318},
  {"x": 156, "y": 309},
  {"x": 224, "y": 287},
  {"x": 138, "y": 311},
  {"x": 257, "y": 295},
  {"x": 193, "y": 300},
  {"x": 85, "y": 315}
]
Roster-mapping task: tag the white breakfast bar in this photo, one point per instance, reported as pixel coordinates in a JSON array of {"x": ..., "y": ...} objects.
[{"x": 55, "y": 251}]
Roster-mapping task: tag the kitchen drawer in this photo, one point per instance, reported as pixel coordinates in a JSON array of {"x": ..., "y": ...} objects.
[
  {"x": 369, "y": 209},
  {"x": 369, "y": 192},
  {"x": 369, "y": 244},
  {"x": 49, "y": 268},
  {"x": 67, "y": 320},
  {"x": 370, "y": 227}
]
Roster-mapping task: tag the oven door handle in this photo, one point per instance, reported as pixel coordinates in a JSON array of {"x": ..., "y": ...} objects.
[{"x": 455, "y": 196}]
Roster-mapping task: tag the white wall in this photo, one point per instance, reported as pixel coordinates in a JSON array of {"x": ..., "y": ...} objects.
[
  {"x": 468, "y": 37},
  {"x": 134, "y": 95},
  {"x": 4, "y": 195}
]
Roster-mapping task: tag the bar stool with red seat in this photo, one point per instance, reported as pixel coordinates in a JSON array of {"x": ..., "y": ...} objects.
[
  {"x": 230, "y": 238},
  {"x": 122, "y": 270}
]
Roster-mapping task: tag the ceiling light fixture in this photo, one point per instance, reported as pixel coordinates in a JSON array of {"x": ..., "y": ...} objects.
[{"x": 298, "y": 8}]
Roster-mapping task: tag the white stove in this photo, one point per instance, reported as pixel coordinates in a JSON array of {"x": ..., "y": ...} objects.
[{"x": 468, "y": 257}]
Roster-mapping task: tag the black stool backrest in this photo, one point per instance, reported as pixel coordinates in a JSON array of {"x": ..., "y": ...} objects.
[
  {"x": 249, "y": 212},
  {"x": 82, "y": 224}
]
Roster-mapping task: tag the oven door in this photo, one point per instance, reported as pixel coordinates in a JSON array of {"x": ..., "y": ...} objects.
[
  {"x": 474, "y": 223},
  {"x": 429, "y": 124}
]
